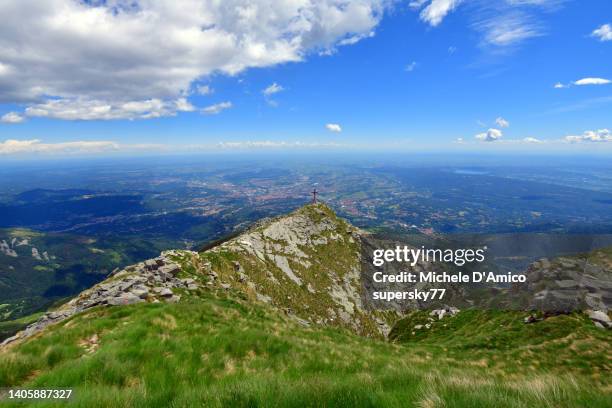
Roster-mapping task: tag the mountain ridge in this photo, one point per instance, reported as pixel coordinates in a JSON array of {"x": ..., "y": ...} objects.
[{"x": 305, "y": 264}]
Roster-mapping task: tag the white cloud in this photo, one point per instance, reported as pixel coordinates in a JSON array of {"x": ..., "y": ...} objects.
[
  {"x": 111, "y": 53},
  {"x": 531, "y": 140},
  {"x": 501, "y": 122},
  {"x": 604, "y": 33},
  {"x": 601, "y": 135},
  {"x": 216, "y": 108},
  {"x": 12, "y": 117},
  {"x": 559, "y": 85},
  {"x": 36, "y": 146},
  {"x": 183, "y": 105},
  {"x": 502, "y": 23},
  {"x": 436, "y": 10},
  {"x": 507, "y": 28},
  {"x": 333, "y": 127},
  {"x": 90, "y": 109},
  {"x": 417, "y": 4},
  {"x": 272, "y": 89},
  {"x": 205, "y": 90},
  {"x": 410, "y": 67},
  {"x": 592, "y": 81},
  {"x": 490, "y": 135},
  {"x": 350, "y": 41}
]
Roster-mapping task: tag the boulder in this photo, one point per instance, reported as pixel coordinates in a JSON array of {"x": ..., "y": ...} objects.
[
  {"x": 140, "y": 291},
  {"x": 124, "y": 299},
  {"x": 170, "y": 269},
  {"x": 600, "y": 317},
  {"x": 165, "y": 292}
]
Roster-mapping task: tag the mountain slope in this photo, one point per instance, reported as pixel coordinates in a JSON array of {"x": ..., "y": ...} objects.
[
  {"x": 274, "y": 317},
  {"x": 217, "y": 351},
  {"x": 305, "y": 264}
]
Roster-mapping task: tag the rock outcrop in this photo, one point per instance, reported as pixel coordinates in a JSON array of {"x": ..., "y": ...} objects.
[
  {"x": 151, "y": 281},
  {"x": 567, "y": 284},
  {"x": 305, "y": 264}
]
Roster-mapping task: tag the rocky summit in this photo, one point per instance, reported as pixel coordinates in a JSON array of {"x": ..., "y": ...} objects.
[{"x": 305, "y": 264}]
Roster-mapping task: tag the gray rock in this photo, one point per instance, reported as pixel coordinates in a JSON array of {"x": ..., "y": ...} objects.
[
  {"x": 124, "y": 299},
  {"x": 165, "y": 292},
  {"x": 170, "y": 269},
  {"x": 142, "y": 293},
  {"x": 600, "y": 317}
]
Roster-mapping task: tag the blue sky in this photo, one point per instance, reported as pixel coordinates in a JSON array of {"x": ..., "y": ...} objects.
[{"x": 441, "y": 75}]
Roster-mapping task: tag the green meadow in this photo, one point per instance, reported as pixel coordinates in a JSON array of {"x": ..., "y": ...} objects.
[{"x": 223, "y": 351}]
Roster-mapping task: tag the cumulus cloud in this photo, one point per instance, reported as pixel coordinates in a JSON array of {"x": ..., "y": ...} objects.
[
  {"x": 204, "y": 90},
  {"x": 36, "y": 146},
  {"x": 501, "y": 122},
  {"x": 601, "y": 135},
  {"x": 559, "y": 85},
  {"x": 603, "y": 33},
  {"x": 333, "y": 127},
  {"x": 436, "y": 10},
  {"x": 108, "y": 54},
  {"x": 490, "y": 135},
  {"x": 12, "y": 117},
  {"x": 216, "y": 108},
  {"x": 531, "y": 140},
  {"x": 592, "y": 81},
  {"x": 92, "y": 109}
]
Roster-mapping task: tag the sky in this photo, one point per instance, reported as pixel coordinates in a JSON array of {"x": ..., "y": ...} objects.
[{"x": 141, "y": 76}]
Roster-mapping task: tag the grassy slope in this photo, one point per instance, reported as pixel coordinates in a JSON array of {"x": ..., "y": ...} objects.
[
  {"x": 328, "y": 265},
  {"x": 223, "y": 352},
  {"x": 503, "y": 342}
]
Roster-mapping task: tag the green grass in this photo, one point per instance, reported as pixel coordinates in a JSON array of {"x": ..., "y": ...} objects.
[
  {"x": 500, "y": 340},
  {"x": 223, "y": 352}
]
